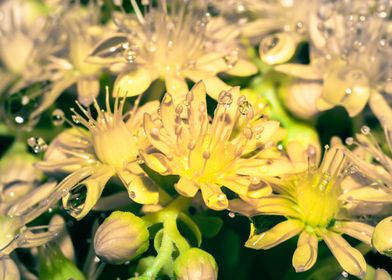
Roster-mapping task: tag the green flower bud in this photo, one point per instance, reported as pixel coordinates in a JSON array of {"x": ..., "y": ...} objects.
[
  {"x": 121, "y": 237},
  {"x": 382, "y": 237},
  {"x": 195, "y": 264},
  {"x": 54, "y": 266}
]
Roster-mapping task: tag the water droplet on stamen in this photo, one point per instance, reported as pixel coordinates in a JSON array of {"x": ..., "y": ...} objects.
[
  {"x": 365, "y": 130},
  {"x": 37, "y": 144},
  {"x": 76, "y": 119},
  {"x": 58, "y": 117},
  {"x": 132, "y": 195},
  {"x": 244, "y": 107},
  {"x": 349, "y": 141},
  {"x": 232, "y": 58},
  {"x": 225, "y": 98},
  {"x": 232, "y": 215}
]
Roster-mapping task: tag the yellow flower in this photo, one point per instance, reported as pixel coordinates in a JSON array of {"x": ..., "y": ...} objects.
[
  {"x": 25, "y": 30},
  {"x": 237, "y": 149},
  {"x": 174, "y": 41},
  {"x": 109, "y": 147},
  {"x": 82, "y": 28},
  {"x": 281, "y": 25},
  {"x": 310, "y": 203},
  {"x": 349, "y": 54},
  {"x": 23, "y": 199}
]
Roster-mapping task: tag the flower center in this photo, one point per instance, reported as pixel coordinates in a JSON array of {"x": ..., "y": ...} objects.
[{"x": 113, "y": 142}]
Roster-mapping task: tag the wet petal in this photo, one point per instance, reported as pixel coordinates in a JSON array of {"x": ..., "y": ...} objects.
[
  {"x": 177, "y": 87},
  {"x": 349, "y": 258},
  {"x": 305, "y": 255},
  {"x": 157, "y": 162},
  {"x": 277, "y": 48},
  {"x": 213, "y": 197},
  {"x": 276, "y": 235}
]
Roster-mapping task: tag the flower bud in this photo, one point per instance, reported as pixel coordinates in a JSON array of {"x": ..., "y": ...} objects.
[
  {"x": 300, "y": 97},
  {"x": 195, "y": 264},
  {"x": 121, "y": 237},
  {"x": 382, "y": 237},
  {"x": 55, "y": 266}
]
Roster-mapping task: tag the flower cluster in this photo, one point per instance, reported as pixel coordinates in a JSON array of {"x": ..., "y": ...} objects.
[{"x": 128, "y": 129}]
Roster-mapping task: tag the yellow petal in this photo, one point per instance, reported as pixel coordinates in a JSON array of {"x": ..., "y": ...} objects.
[
  {"x": 277, "y": 48},
  {"x": 211, "y": 62},
  {"x": 177, "y": 87},
  {"x": 213, "y": 197},
  {"x": 276, "y": 205},
  {"x": 214, "y": 85},
  {"x": 302, "y": 71},
  {"x": 93, "y": 186},
  {"x": 357, "y": 230},
  {"x": 156, "y": 161},
  {"x": 367, "y": 194},
  {"x": 349, "y": 258},
  {"x": 305, "y": 255},
  {"x": 132, "y": 82},
  {"x": 140, "y": 187},
  {"x": 381, "y": 109},
  {"x": 88, "y": 89},
  {"x": 186, "y": 187},
  {"x": 154, "y": 138},
  {"x": 276, "y": 235},
  {"x": 242, "y": 68}
]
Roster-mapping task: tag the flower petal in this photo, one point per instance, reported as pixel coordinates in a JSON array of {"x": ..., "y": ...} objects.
[
  {"x": 213, "y": 197},
  {"x": 276, "y": 235},
  {"x": 157, "y": 162},
  {"x": 367, "y": 194},
  {"x": 177, "y": 87},
  {"x": 302, "y": 71},
  {"x": 357, "y": 230},
  {"x": 132, "y": 82},
  {"x": 88, "y": 89},
  {"x": 242, "y": 68},
  {"x": 277, "y": 48},
  {"x": 186, "y": 187},
  {"x": 305, "y": 255},
  {"x": 349, "y": 258}
]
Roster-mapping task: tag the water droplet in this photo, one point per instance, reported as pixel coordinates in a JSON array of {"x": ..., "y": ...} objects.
[
  {"x": 232, "y": 215},
  {"x": 326, "y": 147},
  {"x": 269, "y": 43},
  {"x": 132, "y": 194},
  {"x": 348, "y": 91},
  {"x": 225, "y": 99},
  {"x": 76, "y": 199},
  {"x": 58, "y": 117},
  {"x": 325, "y": 11},
  {"x": 19, "y": 109},
  {"x": 365, "y": 130},
  {"x": 139, "y": 159},
  {"x": 300, "y": 27},
  {"x": 76, "y": 119},
  {"x": 244, "y": 107},
  {"x": 232, "y": 58},
  {"x": 258, "y": 131},
  {"x": 130, "y": 56},
  {"x": 344, "y": 274},
  {"x": 349, "y": 141},
  {"x": 37, "y": 144}
]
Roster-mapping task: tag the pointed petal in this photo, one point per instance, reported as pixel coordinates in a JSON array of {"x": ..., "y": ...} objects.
[
  {"x": 305, "y": 255},
  {"x": 276, "y": 235},
  {"x": 277, "y": 48},
  {"x": 88, "y": 89},
  {"x": 213, "y": 197},
  {"x": 242, "y": 68},
  {"x": 276, "y": 205},
  {"x": 381, "y": 109},
  {"x": 302, "y": 71},
  {"x": 356, "y": 230},
  {"x": 157, "y": 162},
  {"x": 367, "y": 194},
  {"x": 349, "y": 258}
]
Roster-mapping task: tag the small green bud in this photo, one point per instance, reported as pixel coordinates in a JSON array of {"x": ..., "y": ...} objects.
[
  {"x": 195, "y": 264},
  {"x": 121, "y": 237},
  {"x": 382, "y": 237},
  {"x": 54, "y": 266}
]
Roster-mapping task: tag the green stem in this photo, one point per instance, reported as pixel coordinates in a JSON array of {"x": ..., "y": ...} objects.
[
  {"x": 170, "y": 227},
  {"x": 164, "y": 254}
]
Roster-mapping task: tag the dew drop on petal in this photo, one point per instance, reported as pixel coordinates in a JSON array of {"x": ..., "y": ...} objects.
[
  {"x": 225, "y": 99},
  {"x": 244, "y": 107},
  {"x": 37, "y": 144},
  {"x": 365, "y": 130},
  {"x": 232, "y": 215},
  {"x": 349, "y": 141},
  {"x": 58, "y": 117}
]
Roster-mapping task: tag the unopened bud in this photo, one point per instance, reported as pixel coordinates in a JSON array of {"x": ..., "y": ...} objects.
[
  {"x": 121, "y": 237},
  {"x": 55, "y": 266},
  {"x": 195, "y": 264},
  {"x": 382, "y": 237}
]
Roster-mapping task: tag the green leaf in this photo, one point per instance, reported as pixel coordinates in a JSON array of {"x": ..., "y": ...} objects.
[
  {"x": 188, "y": 227},
  {"x": 208, "y": 225}
]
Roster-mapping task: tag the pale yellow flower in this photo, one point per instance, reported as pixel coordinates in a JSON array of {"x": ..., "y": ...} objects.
[
  {"x": 108, "y": 148},
  {"x": 82, "y": 30},
  {"x": 349, "y": 53},
  {"x": 310, "y": 203},
  {"x": 237, "y": 149},
  {"x": 23, "y": 199},
  {"x": 174, "y": 41},
  {"x": 279, "y": 25},
  {"x": 379, "y": 168},
  {"x": 26, "y": 39}
]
